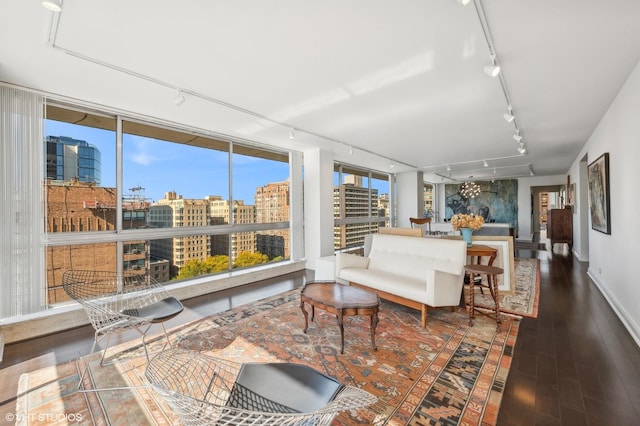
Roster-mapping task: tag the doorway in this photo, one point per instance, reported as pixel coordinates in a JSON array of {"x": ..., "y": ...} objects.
[{"x": 544, "y": 198}]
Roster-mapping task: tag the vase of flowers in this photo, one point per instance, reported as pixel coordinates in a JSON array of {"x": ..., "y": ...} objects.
[{"x": 466, "y": 223}]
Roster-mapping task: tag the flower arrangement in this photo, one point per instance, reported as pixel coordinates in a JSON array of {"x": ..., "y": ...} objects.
[{"x": 466, "y": 221}]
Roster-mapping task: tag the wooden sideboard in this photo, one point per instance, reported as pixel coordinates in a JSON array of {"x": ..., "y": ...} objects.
[{"x": 560, "y": 226}]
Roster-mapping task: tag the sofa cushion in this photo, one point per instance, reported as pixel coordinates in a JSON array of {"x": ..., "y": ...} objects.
[
  {"x": 389, "y": 282},
  {"x": 413, "y": 257}
]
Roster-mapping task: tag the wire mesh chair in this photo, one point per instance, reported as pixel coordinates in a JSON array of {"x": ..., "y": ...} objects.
[
  {"x": 204, "y": 390},
  {"x": 134, "y": 302}
]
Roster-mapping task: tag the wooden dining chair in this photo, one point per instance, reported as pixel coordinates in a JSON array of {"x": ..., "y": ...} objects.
[{"x": 420, "y": 221}]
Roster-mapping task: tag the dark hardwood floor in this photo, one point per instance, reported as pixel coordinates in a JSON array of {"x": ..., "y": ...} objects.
[{"x": 575, "y": 364}]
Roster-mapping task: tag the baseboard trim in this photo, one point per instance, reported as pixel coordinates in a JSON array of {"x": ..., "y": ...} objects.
[{"x": 619, "y": 310}]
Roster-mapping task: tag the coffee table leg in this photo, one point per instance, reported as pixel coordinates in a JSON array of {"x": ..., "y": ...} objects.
[
  {"x": 304, "y": 312},
  {"x": 374, "y": 324},
  {"x": 340, "y": 323}
]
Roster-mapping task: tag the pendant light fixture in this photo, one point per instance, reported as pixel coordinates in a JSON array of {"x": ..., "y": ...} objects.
[{"x": 470, "y": 189}]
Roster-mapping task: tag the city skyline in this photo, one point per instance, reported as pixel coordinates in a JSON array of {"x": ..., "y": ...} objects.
[
  {"x": 160, "y": 167},
  {"x": 151, "y": 167}
]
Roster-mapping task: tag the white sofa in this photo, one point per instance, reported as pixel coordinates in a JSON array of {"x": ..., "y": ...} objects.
[{"x": 416, "y": 272}]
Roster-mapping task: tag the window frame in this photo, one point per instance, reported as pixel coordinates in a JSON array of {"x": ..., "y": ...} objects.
[
  {"x": 120, "y": 235},
  {"x": 373, "y": 222}
]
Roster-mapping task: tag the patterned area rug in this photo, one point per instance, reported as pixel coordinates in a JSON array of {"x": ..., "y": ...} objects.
[
  {"x": 522, "y": 303},
  {"x": 448, "y": 373}
]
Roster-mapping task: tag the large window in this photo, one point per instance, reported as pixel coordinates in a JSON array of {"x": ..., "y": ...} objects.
[
  {"x": 156, "y": 200},
  {"x": 360, "y": 205},
  {"x": 429, "y": 200}
]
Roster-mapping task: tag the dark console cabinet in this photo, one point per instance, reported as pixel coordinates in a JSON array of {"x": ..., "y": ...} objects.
[{"x": 560, "y": 226}]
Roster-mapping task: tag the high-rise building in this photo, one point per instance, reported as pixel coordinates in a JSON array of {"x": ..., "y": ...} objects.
[
  {"x": 175, "y": 211},
  {"x": 354, "y": 201},
  {"x": 69, "y": 158},
  {"x": 220, "y": 213},
  {"x": 383, "y": 205},
  {"x": 272, "y": 205}
]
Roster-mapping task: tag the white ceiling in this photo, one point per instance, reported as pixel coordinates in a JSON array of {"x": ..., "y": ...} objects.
[{"x": 399, "y": 79}]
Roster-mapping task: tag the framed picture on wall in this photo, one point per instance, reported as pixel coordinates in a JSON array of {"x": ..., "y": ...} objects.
[{"x": 599, "y": 203}]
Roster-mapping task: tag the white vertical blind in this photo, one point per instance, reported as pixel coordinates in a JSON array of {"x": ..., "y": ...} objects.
[{"x": 22, "y": 288}]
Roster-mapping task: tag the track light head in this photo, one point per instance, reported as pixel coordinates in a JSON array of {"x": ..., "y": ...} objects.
[
  {"x": 292, "y": 133},
  {"x": 52, "y": 5},
  {"x": 521, "y": 149},
  {"x": 517, "y": 137},
  {"x": 179, "y": 99},
  {"x": 492, "y": 70},
  {"x": 484, "y": 163},
  {"x": 508, "y": 116},
  {"x": 464, "y": 2}
]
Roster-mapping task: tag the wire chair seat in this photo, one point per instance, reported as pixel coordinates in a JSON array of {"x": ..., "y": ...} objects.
[
  {"x": 112, "y": 305},
  {"x": 205, "y": 390}
]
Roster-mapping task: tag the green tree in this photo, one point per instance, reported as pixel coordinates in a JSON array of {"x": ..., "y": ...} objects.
[
  {"x": 217, "y": 263},
  {"x": 192, "y": 268},
  {"x": 246, "y": 258}
]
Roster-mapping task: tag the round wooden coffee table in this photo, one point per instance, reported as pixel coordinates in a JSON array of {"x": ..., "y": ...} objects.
[{"x": 341, "y": 300}]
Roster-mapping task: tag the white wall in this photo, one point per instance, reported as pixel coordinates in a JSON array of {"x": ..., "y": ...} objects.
[
  {"x": 612, "y": 257},
  {"x": 410, "y": 197}
]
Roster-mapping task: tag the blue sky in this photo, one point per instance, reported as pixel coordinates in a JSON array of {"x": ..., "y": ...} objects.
[
  {"x": 192, "y": 172},
  {"x": 159, "y": 167}
]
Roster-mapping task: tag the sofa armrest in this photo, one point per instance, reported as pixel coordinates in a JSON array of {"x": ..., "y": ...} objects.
[
  {"x": 443, "y": 288},
  {"x": 347, "y": 260}
]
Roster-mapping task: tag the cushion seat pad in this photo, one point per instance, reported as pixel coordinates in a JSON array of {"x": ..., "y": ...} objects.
[{"x": 401, "y": 285}]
